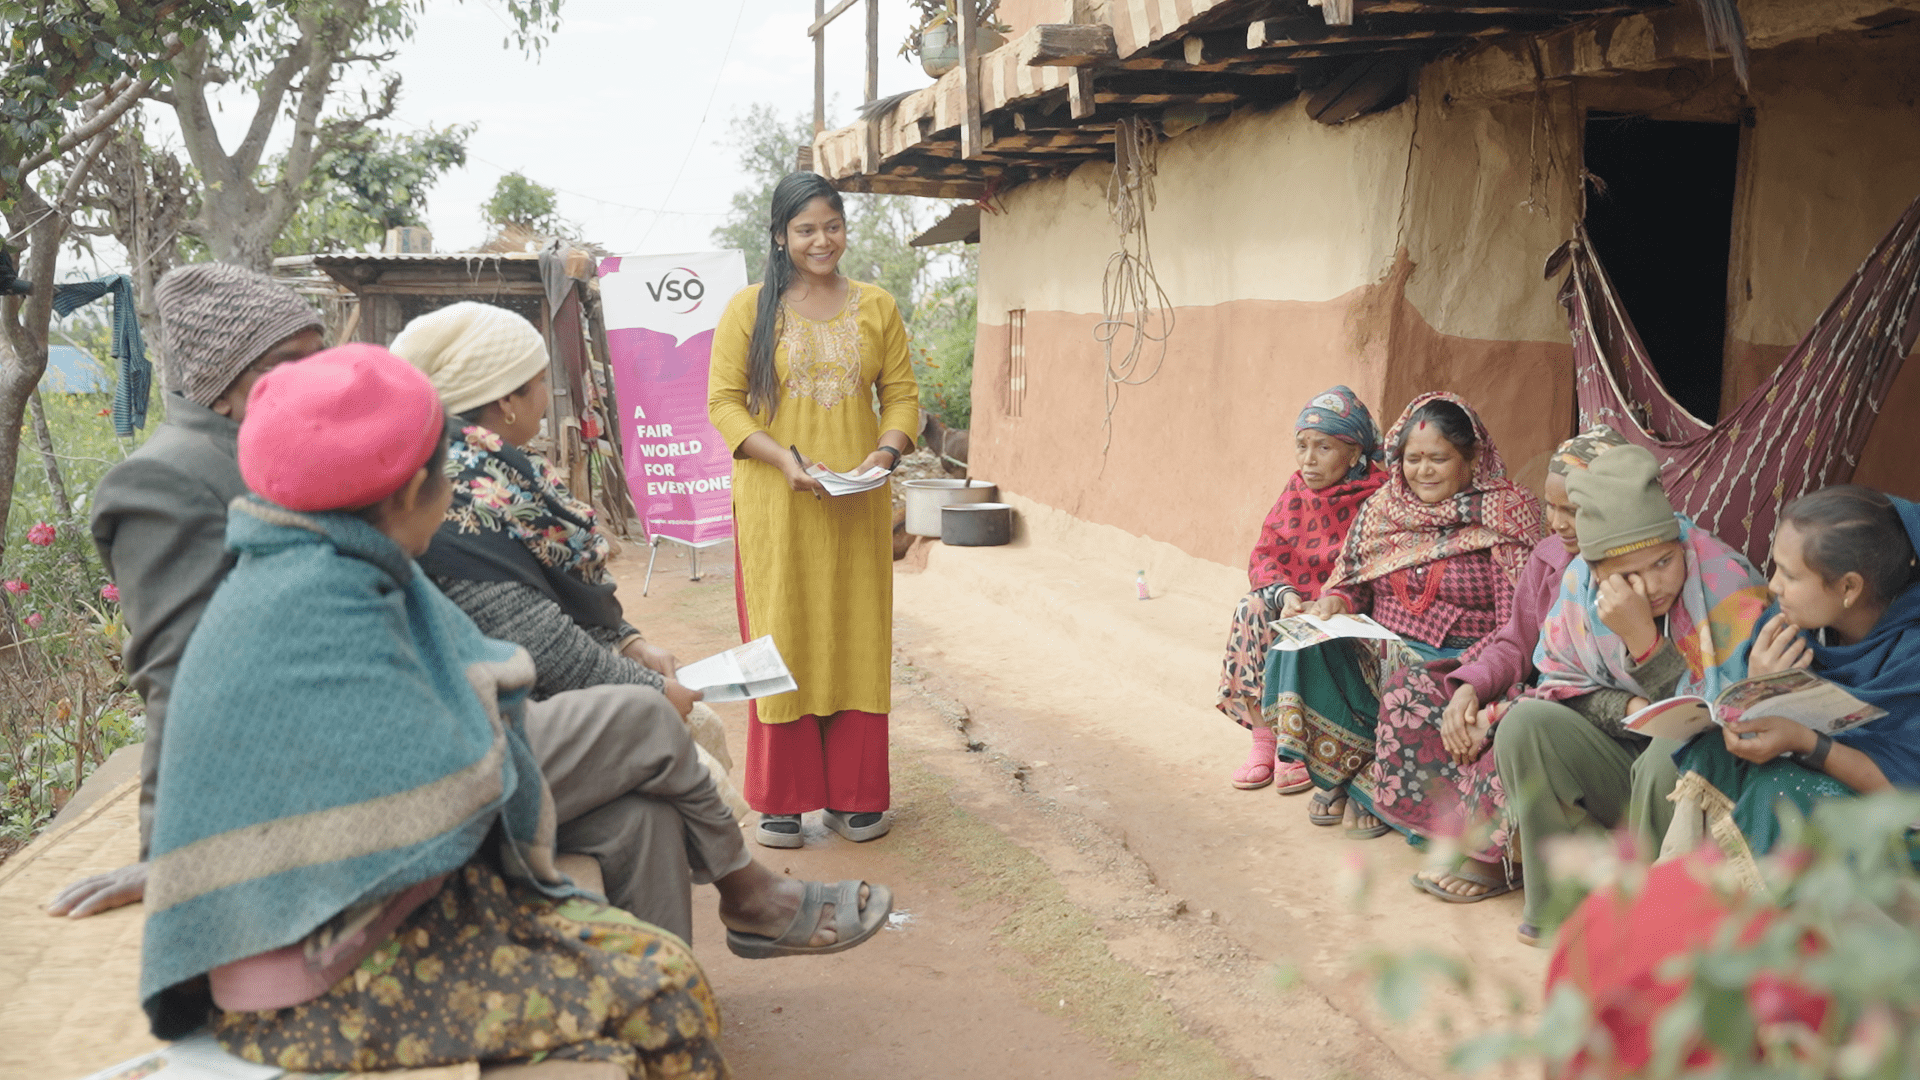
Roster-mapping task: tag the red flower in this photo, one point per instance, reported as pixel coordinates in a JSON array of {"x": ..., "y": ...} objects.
[
  {"x": 41, "y": 535},
  {"x": 15, "y": 587},
  {"x": 111, "y": 592},
  {"x": 104, "y": 412},
  {"x": 34, "y": 620}
]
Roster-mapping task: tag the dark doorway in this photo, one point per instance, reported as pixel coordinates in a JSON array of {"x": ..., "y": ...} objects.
[{"x": 1661, "y": 218}]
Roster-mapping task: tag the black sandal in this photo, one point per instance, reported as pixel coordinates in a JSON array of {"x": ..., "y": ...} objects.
[{"x": 1328, "y": 807}]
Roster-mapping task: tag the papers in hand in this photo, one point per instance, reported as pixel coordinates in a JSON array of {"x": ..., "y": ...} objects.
[
  {"x": 1795, "y": 694},
  {"x": 198, "y": 1058},
  {"x": 849, "y": 483},
  {"x": 753, "y": 670},
  {"x": 1305, "y": 631}
]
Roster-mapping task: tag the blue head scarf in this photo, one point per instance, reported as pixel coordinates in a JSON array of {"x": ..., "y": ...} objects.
[
  {"x": 1883, "y": 669},
  {"x": 1340, "y": 413}
]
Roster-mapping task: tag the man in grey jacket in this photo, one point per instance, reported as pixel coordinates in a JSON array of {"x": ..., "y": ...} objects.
[{"x": 627, "y": 784}]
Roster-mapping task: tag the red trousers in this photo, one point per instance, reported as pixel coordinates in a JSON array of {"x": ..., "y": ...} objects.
[{"x": 836, "y": 762}]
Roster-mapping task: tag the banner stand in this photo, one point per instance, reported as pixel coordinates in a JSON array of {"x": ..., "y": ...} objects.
[{"x": 694, "y": 549}]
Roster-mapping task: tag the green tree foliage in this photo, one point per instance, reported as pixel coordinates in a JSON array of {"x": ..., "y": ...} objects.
[
  {"x": 58, "y": 56},
  {"x": 934, "y": 285},
  {"x": 298, "y": 62},
  {"x": 373, "y": 181},
  {"x": 519, "y": 201},
  {"x": 944, "y": 322}
]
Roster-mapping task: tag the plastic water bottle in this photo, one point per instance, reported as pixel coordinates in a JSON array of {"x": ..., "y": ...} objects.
[{"x": 1140, "y": 586}]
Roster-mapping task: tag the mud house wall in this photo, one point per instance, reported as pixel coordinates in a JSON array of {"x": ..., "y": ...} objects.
[
  {"x": 1832, "y": 161},
  {"x": 1490, "y": 193},
  {"x": 1284, "y": 251}
]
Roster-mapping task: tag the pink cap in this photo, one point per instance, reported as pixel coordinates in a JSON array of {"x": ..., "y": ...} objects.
[{"x": 340, "y": 430}]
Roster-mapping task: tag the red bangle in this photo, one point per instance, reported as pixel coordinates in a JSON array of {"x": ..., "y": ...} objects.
[{"x": 1645, "y": 656}]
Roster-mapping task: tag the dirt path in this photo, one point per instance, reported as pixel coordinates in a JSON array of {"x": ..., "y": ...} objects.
[{"x": 1080, "y": 895}]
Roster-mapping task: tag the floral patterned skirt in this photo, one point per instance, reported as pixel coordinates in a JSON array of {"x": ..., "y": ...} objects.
[
  {"x": 1413, "y": 784},
  {"x": 1243, "y": 671},
  {"x": 491, "y": 970},
  {"x": 1324, "y": 703}
]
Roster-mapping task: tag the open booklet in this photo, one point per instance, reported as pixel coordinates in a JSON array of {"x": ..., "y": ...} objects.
[
  {"x": 198, "y": 1058},
  {"x": 849, "y": 483},
  {"x": 1305, "y": 631},
  {"x": 753, "y": 670},
  {"x": 1795, "y": 694}
]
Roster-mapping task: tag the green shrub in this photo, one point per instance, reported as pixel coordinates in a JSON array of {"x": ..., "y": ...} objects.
[{"x": 64, "y": 702}]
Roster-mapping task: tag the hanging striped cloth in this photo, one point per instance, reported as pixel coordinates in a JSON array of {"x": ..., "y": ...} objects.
[
  {"x": 1800, "y": 430},
  {"x": 132, "y": 390}
]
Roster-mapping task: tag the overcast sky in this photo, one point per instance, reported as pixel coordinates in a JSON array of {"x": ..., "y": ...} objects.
[{"x": 626, "y": 111}]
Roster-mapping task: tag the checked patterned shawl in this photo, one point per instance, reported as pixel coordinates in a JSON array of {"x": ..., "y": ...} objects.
[{"x": 1397, "y": 531}]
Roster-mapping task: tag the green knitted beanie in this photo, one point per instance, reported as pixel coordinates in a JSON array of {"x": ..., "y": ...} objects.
[{"x": 1620, "y": 504}]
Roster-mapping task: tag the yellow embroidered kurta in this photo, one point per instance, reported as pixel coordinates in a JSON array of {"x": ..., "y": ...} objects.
[{"x": 818, "y": 573}]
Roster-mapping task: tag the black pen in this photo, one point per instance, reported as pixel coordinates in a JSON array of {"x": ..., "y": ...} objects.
[{"x": 797, "y": 461}]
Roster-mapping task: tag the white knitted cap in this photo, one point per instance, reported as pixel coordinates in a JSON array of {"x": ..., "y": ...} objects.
[{"x": 473, "y": 353}]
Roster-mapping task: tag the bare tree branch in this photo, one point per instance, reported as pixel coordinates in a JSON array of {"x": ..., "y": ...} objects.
[
  {"x": 129, "y": 94},
  {"x": 273, "y": 90}
]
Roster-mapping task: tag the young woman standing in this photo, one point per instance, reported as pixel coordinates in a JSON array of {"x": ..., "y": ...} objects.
[{"x": 799, "y": 361}]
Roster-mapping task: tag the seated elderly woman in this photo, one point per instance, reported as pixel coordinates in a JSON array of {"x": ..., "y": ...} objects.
[
  {"x": 352, "y": 863},
  {"x": 1337, "y": 448},
  {"x": 1846, "y": 586},
  {"x": 1432, "y": 775},
  {"x": 518, "y": 553},
  {"x": 1432, "y": 558},
  {"x": 1655, "y": 606}
]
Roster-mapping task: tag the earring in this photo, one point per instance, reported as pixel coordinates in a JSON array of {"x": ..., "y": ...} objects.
[
  {"x": 1848, "y": 602},
  {"x": 514, "y": 418}
]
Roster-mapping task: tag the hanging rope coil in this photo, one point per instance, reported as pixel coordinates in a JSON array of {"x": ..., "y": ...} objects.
[{"x": 1134, "y": 309}]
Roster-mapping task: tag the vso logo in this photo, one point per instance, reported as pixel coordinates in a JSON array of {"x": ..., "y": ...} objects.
[{"x": 678, "y": 286}]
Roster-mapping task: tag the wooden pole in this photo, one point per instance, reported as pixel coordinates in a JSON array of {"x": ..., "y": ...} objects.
[
  {"x": 819, "y": 70},
  {"x": 870, "y": 145},
  {"x": 970, "y": 138},
  {"x": 44, "y": 436}
]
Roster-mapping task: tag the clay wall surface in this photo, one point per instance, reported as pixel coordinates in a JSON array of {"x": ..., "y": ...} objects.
[
  {"x": 1280, "y": 244},
  {"x": 1832, "y": 161}
]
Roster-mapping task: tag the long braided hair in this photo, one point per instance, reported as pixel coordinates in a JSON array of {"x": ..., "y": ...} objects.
[{"x": 790, "y": 196}]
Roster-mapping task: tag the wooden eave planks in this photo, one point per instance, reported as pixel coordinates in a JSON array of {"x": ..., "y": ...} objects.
[{"x": 1250, "y": 49}]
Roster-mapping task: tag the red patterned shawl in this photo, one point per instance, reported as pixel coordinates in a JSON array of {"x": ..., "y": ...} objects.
[
  {"x": 1396, "y": 530},
  {"x": 1300, "y": 540}
]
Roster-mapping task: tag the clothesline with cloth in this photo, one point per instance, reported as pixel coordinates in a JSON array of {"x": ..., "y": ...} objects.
[
  {"x": 1800, "y": 430},
  {"x": 133, "y": 388}
]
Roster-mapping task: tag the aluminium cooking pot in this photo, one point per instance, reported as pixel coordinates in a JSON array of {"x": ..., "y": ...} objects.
[
  {"x": 926, "y": 497},
  {"x": 985, "y": 524}
]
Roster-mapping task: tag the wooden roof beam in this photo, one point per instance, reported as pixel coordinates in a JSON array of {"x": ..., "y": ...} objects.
[
  {"x": 1640, "y": 42},
  {"x": 1285, "y": 34},
  {"x": 1072, "y": 45}
]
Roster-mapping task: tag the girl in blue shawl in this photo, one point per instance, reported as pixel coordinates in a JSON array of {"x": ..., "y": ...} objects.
[{"x": 1847, "y": 608}]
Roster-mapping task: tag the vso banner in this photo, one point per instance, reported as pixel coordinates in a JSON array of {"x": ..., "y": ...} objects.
[{"x": 661, "y": 311}]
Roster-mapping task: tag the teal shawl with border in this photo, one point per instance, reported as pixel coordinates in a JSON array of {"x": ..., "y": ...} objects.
[{"x": 339, "y": 731}]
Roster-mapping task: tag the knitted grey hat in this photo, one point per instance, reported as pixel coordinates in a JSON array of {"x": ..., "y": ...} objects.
[
  {"x": 219, "y": 319},
  {"x": 1619, "y": 504}
]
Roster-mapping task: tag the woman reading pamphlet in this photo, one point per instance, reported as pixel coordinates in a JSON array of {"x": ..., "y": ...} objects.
[{"x": 1846, "y": 609}]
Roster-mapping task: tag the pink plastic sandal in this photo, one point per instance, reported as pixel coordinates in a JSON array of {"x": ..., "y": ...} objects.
[
  {"x": 1258, "y": 770},
  {"x": 1293, "y": 778}
]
